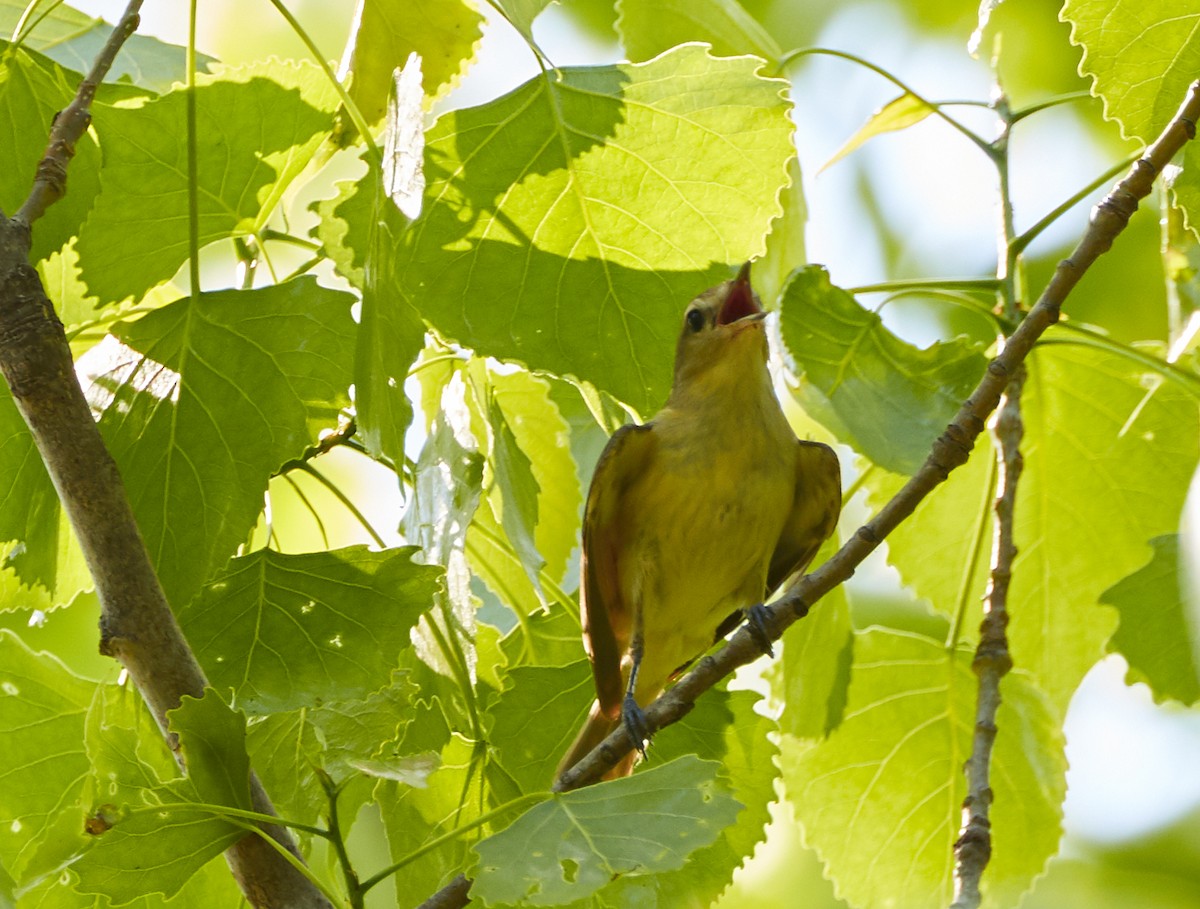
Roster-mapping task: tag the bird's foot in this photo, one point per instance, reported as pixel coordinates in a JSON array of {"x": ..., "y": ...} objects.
[
  {"x": 756, "y": 622},
  {"x": 634, "y": 719}
]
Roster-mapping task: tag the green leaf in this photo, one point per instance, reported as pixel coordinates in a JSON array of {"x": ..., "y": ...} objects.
[
  {"x": 943, "y": 549},
  {"x": 494, "y": 561},
  {"x": 541, "y": 436},
  {"x": 563, "y": 228},
  {"x": 1185, "y": 188},
  {"x": 521, "y": 13},
  {"x": 153, "y": 850},
  {"x": 258, "y": 128},
  {"x": 287, "y": 748},
  {"x": 900, "y": 113},
  {"x": 514, "y": 492},
  {"x": 786, "y": 248},
  {"x": 650, "y": 27},
  {"x": 32, "y": 91},
  {"x": 536, "y": 717},
  {"x": 42, "y": 712},
  {"x": 43, "y": 551},
  {"x": 203, "y": 403},
  {"x": 546, "y": 638},
  {"x": 1109, "y": 451},
  {"x": 285, "y": 631},
  {"x": 1141, "y": 57},
  {"x": 212, "y": 737},
  {"x": 1153, "y": 632},
  {"x": 211, "y": 886},
  {"x": 573, "y": 844},
  {"x": 445, "y": 34},
  {"x": 73, "y": 39},
  {"x": 344, "y": 225},
  {"x": 723, "y": 726},
  {"x": 879, "y": 798},
  {"x": 358, "y": 729},
  {"x": 391, "y": 333},
  {"x": 157, "y": 843},
  {"x": 811, "y": 678},
  {"x": 888, "y": 399}
]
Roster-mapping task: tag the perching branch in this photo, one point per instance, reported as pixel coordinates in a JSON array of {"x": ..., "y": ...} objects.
[
  {"x": 137, "y": 626},
  {"x": 973, "y": 848}
]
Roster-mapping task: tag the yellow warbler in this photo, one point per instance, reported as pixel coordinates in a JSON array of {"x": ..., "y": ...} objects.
[{"x": 696, "y": 515}]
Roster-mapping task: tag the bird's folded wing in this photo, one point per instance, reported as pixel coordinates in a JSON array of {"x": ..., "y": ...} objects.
[
  {"x": 816, "y": 504},
  {"x": 606, "y": 615}
]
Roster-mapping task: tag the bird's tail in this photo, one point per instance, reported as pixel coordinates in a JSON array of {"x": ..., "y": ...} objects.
[{"x": 595, "y": 729}]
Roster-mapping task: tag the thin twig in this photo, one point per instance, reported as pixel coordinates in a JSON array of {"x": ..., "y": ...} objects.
[
  {"x": 137, "y": 625},
  {"x": 72, "y": 122},
  {"x": 973, "y": 848},
  {"x": 949, "y": 452}
]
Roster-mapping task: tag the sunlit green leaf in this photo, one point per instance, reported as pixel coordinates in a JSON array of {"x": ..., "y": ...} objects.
[
  {"x": 879, "y": 798},
  {"x": 1109, "y": 450},
  {"x": 284, "y": 631},
  {"x": 32, "y": 91},
  {"x": 650, "y": 27},
  {"x": 900, "y": 113},
  {"x": 881, "y": 394},
  {"x": 521, "y": 13},
  {"x": 948, "y": 568},
  {"x": 1141, "y": 57},
  {"x": 258, "y": 128},
  {"x": 445, "y": 34},
  {"x": 203, "y": 403},
  {"x": 45, "y": 767},
  {"x": 563, "y": 228},
  {"x": 811, "y": 678},
  {"x": 1153, "y": 631},
  {"x": 570, "y": 846},
  {"x": 73, "y": 39}
]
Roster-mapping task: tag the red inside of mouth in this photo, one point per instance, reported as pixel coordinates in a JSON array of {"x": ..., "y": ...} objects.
[{"x": 739, "y": 304}]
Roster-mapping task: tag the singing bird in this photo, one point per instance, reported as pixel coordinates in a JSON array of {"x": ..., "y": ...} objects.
[{"x": 695, "y": 516}]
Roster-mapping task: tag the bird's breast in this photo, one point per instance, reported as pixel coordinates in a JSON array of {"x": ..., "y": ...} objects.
[{"x": 708, "y": 516}]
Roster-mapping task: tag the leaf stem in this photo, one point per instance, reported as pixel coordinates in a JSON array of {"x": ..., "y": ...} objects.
[
  {"x": 1019, "y": 115},
  {"x": 1020, "y": 243},
  {"x": 356, "y": 117},
  {"x": 975, "y": 139},
  {"x": 193, "y": 160},
  {"x": 344, "y": 499},
  {"x": 452, "y": 835},
  {"x": 983, "y": 285}
]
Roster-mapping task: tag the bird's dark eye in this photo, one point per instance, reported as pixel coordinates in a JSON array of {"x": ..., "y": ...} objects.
[{"x": 694, "y": 319}]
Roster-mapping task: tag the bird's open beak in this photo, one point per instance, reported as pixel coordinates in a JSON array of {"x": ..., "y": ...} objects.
[{"x": 741, "y": 302}]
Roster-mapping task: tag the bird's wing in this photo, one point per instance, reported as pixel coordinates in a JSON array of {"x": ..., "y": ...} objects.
[
  {"x": 606, "y": 616},
  {"x": 815, "y": 508}
]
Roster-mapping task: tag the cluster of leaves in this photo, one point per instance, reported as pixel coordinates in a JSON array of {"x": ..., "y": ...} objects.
[{"x": 533, "y": 301}]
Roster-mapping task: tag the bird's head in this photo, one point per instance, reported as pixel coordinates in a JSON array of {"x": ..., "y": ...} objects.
[{"x": 722, "y": 339}]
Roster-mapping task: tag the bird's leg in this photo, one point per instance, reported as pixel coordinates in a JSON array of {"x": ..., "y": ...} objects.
[
  {"x": 756, "y": 622},
  {"x": 631, "y": 714}
]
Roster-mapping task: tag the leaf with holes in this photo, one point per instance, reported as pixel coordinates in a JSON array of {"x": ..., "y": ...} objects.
[
  {"x": 287, "y": 631},
  {"x": 573, "y": 844}
]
